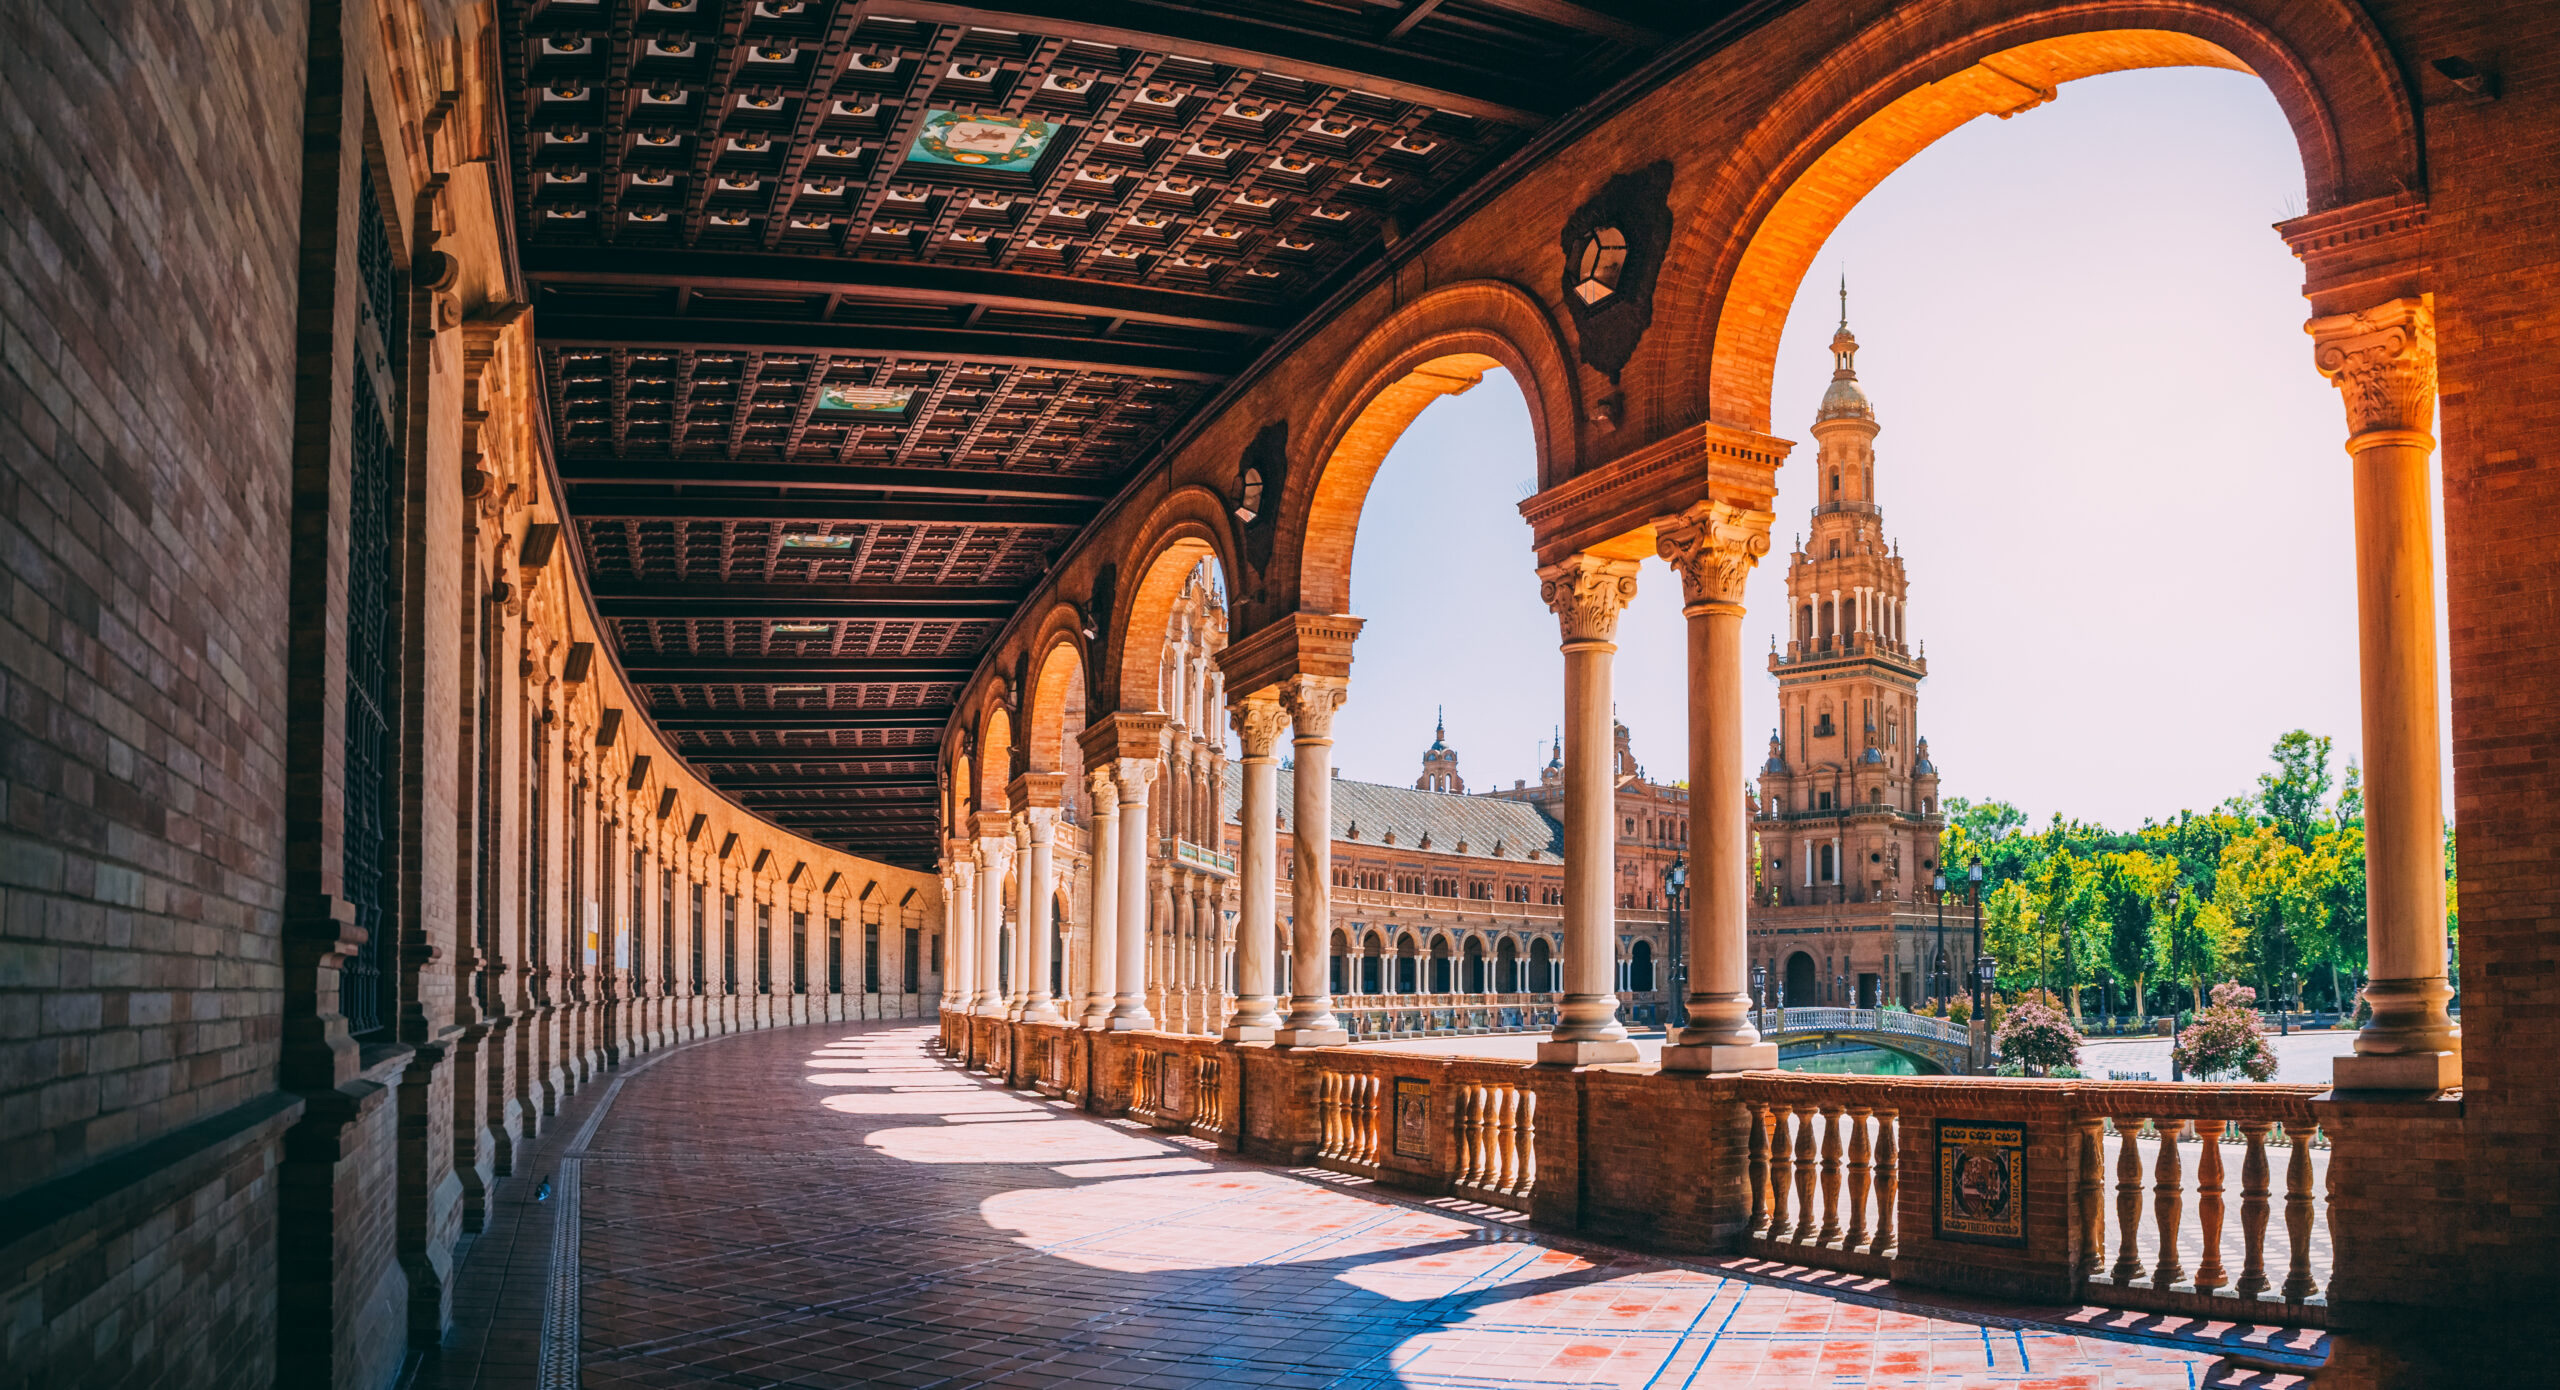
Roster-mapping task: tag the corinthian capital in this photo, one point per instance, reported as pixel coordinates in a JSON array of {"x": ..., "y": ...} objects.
[
  {"x": 1259, "y": 721},
  {"x": 2384, "y": 362},
  {"x": 1106, "y": 791},
  {"x": 1588, "y": 592},
  {"x": 1714, "y": 546},
  {"x": 1311, "y": 701}
]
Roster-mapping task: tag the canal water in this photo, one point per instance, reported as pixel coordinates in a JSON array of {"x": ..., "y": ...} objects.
[{"x": 1846, "y": 1061}]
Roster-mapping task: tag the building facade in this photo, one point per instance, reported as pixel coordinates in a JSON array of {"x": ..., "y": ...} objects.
[{"x": 1847, "y": 813}]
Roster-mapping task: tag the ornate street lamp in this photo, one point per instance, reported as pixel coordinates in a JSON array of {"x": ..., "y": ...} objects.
[
  {"x": 1675, "y": 885},
  {"x": 1938, "y": 982},
  {"x": 1982, "y": 967},
  {"x": 1759, "y": 996}
]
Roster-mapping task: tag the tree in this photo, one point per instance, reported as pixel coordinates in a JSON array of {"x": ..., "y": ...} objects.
[
  {"x": 2332, "y": 931},
  {"x": 2225, "y": 1039},
  {"x": 2010, "y": 933},
  {"x": 2293, "y": 794},
  {"x": 2067, "y": 903},
  {"x": 2038, "y": 1037},
  {"x": 2195, "y": 940},
  {"x": 2351, "y": 796},
  {"x": 2258, "y": 887},
  {"x": 2133, "y": 889}
]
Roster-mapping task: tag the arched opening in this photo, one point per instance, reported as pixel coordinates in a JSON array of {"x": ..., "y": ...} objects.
[
  {"x": 1408, "y": 966},
  {"x": 1542, "y": 967},
  {"x": 1640, "y": 967},
  {"x": 1440, "y": 966},
  {"x": 1339, "y": 962},
  {"x": 1506, "y": 967},
  {"x": 1373, "y": 959},
  {"x": 1475, "y": 965},
  {"x": 1804, "y": 987}
]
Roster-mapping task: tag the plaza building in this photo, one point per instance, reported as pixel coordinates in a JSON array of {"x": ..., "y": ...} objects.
[{"x": 1846, "y": 815}]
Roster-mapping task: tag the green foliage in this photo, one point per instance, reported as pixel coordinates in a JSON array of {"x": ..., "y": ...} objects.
[{"x": 2293, "y": 794}]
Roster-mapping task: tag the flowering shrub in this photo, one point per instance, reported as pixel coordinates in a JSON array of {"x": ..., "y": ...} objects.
[
  {"x": 1961, "y": 1011},
  {"x": 2039, "y": 1037},
  {"x": 2225, "y": 1040}
]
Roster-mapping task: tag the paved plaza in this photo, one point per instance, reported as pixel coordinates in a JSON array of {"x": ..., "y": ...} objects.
[{"x": 834, "y": 1207}]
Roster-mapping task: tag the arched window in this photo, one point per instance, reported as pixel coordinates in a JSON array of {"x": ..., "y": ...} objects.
[
  {"x": 1542, "y": 968},
  {"x": 1829, "y": 869},
  {"x": 1835, "y": 482},
  {"x": 1408, "y": 967},
  {"x": 1640, "y": 967},
  {"x": 1506, "y": 967},
  {"x": 1341, "y": 965},
  {"x": 1373, "y": 965},
  {"x": 1474, "y": 966},
  {"x": 1804, "y": 623},
  {"x": 1440, "y": 965}
]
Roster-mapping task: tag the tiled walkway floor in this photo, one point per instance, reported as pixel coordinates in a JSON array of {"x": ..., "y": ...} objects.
[{"x": 825, "y": 1207}]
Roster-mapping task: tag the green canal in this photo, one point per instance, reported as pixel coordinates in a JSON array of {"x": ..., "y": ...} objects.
[{"x": 1846, "y": 1061}]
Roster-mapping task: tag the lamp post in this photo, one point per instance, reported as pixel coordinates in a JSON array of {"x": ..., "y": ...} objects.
[
  {"x": 1675, "y": 884},
  {"x": 1840, "y": 988},
  {"x": 1760, "y": 996},
  {"x": 1982, "y": 968},
  {"x": 1938, "y": 982}
]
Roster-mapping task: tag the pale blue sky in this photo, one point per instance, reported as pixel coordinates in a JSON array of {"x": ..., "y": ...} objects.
[{"x": 2116, "y": 479}]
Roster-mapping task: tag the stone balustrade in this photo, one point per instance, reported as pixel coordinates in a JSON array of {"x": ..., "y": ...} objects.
[{"x": 2054, "y": 1191}]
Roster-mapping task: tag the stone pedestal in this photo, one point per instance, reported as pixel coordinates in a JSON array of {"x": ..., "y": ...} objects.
[{"x": 1707, "y": 1057}]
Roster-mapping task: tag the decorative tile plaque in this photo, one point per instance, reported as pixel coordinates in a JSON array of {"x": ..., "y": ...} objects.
[
  {"x": 1413, "y": 1118},
  {"x": 1982, "y": 1182}
]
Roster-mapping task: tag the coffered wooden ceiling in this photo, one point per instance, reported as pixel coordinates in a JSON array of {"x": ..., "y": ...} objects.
[{"x": 854, "y": 312}]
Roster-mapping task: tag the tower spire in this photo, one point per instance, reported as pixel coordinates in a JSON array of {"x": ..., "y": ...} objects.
[{"x": 1844, "y": 301}]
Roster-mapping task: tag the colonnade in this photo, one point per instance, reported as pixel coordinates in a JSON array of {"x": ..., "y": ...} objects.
[{"x": 2383, "y": 359}]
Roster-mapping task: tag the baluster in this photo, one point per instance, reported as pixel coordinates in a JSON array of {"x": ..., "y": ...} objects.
[
  {"x": 2298, "y": 1284},
  {"x": 1782, "y": 1172},
  {"x": 1808, "y": 1159},
  {"x": 1489, "y": 1138},
  {"x": 2092, "y": 1196},
  {"x": 2253, "y": 1210},
  {"x": 1515, "y": 1157},
  {"x": 1469, "y": 1117},
  {"x": 1373, "y": 1114},
  {"x": 1526, "y": 1128},
  {"x": 1368, "y": 1119},
  {"x": 1888, "y": 1179},
  {"x": 2209, "y": 1275},
  {"x": 2169, "y": 1195},
  {"x": 2128, "y": 1198},
  {"x": 1757, "y": 1166},
  {"x": 1831, "y": 1118},
  {"x": 1861, "y": 1172}
]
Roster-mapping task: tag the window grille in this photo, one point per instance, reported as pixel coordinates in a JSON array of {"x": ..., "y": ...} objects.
[
  {"x": 697, "y": 938},
  {"x": 799, "y": 953},
  {"x": 728, "y": 943},
  {"x": 835, "y": 955},
  {"x": 915, "y": 981},
  {"x": 369, "y": 985},
  {"x": 871, "y": 957}
]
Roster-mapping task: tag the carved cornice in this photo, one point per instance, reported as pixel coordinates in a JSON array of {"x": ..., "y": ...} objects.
[
  {"x": 1037, "y": 791},
  {"x": 2383, "y": 360},
  {"x": 1618, "y": 500},
  {"x": 1124, "y": 734},
  {"x": 1714, "y": 545},
  {"x": 1294, "y": 644},
  {"x": 2362, "y": 252},
  {"x": 1260, "y": 720},
  {"x": 1588, "y": 592}
]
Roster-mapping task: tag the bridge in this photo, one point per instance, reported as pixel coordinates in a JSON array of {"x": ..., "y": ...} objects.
[{"x": 1934, "y": 1043}]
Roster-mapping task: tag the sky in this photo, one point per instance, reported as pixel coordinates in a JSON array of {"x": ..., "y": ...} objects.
[{"x": 2117, "y": 481}]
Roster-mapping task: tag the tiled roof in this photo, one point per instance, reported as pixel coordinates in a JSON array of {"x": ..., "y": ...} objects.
[{"x": 1478, "y": 822}]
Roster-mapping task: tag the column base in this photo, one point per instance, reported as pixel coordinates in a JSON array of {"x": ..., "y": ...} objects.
[
  {"x": 1138, "y": 1023},
  {"x": 1712, "y": 1057},
  {"x": 1309, "y": 1037},
  {"x": 2397, "y": 1071},
  {"x": 1552, "y": 1053},
  {"x": 1249, "y": 1033}
]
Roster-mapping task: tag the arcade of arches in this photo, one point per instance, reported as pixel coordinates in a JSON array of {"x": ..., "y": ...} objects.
[{"x": 543, "y": 534}]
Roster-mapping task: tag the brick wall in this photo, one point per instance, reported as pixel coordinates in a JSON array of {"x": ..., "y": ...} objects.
[{"x": 147, "y": 242}]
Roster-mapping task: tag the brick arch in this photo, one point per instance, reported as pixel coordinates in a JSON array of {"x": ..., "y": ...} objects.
[
  {"x": 1188, "y": 526},
  {"x": 1058, "y": 655},
  {"x": 1905, "y": 82},
  {"x": 1441, "y": 344},
  {"x": 995, "y": 751}
]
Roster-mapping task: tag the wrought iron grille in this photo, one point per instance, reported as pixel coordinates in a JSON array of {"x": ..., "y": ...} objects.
[
  {"x": 368, "y": 986},
  {"x": 697, "y": 939},
  {"x": 667, "y": 931},
  {"x": 728, "y": 943}
]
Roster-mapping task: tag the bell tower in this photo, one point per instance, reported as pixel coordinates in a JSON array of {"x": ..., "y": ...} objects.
[{"x": 1848, "y": 797}]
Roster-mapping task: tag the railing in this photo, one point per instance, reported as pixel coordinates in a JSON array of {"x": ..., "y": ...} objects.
[
  {"x": 1438, "y": 1015},
  {"x": 1209, "y": 1095},
  {"x": 1202, "y": 857},
  {"x": 1825, "y": 1172},
  {"x": 1827, "y": 1019},
  {"x": 1146, "y": 1087},
  {"x": 2161, "y": 1276},
  {"x": 1497, "y": 1143},
  {"x": 1347, "y": 1120}
]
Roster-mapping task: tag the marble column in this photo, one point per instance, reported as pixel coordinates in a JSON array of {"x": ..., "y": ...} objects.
[
  {"x": 1713, "y": 546},
  {"x": 2383, "y": 360},
  {"x": 960, "y": 926},
  {"x": 1259, "y": 721},
  {"x": 1017, "y": 944},
  {"x": 1129, "y": 1003},
  {"x": 995, "y": 852},
  {"x": 1039, "y": 896},
  {"x": 1588, "y": 592},
  {"x": 1310, "y": 702},
  {"x": 1104, "y": 948}
]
